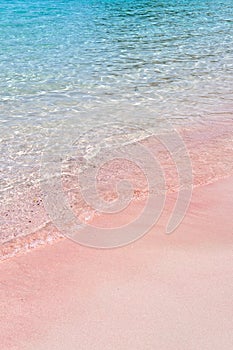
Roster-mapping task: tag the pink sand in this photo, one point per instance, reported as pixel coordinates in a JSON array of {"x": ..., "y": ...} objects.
[{"x": 162, "y": 292}]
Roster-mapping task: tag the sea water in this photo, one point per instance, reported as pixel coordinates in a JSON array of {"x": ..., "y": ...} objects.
[{"x": 87, "y": 63}]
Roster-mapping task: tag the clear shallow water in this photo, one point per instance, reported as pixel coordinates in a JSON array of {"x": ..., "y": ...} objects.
[{"x": 98, "y": 61}]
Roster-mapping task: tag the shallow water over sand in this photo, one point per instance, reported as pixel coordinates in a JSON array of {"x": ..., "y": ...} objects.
[{"x": 86, "y": 64}]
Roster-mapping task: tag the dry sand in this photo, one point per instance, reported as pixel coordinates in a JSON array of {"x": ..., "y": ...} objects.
[{"x": 161, "y": 292}]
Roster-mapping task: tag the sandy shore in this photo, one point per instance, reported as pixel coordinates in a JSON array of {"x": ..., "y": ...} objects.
[{"x": 162, "y": 292}]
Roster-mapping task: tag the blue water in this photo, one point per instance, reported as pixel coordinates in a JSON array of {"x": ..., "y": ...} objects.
[
  {"x": 119, "y": 49},
  {"x": 96, "y": 60}
]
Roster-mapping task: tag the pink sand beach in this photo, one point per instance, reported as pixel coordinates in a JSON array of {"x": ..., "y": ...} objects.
[
  {"x": 116, "y": 175},
  {"x": 162, "y": 292}
]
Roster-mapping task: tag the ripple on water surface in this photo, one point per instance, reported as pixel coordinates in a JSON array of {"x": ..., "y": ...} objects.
[{"x": 144, "y": 63}]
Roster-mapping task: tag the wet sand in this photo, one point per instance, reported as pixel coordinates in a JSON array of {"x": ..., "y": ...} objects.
[
  {"x": 161, "y": 292},
  {"x": 25, "y": 222}
]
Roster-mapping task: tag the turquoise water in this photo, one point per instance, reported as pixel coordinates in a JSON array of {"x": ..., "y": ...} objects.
[
  {"x": 114, "y": 49},
  {"x": 95, "y": 61}
]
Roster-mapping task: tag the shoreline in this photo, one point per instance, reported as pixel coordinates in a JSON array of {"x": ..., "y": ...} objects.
[
  {"x": 206, "y": 151},
  {"x": 48, "y": 234}
]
